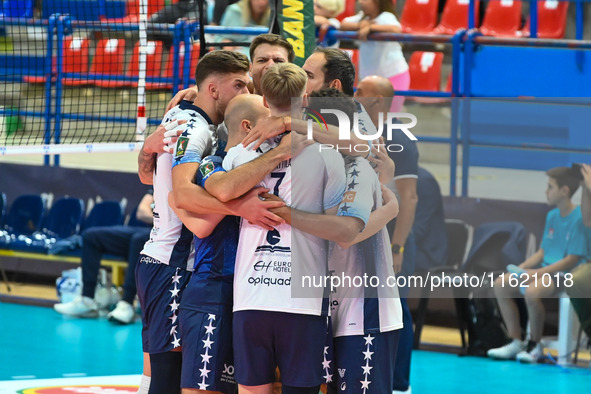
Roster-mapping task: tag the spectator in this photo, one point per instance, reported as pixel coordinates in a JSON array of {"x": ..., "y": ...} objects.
[
  {"x": 563, "y": 247},
  {"x": 245, "y": 13},
  {"x": 124, "y": 241},
  {"x": 580, "y": 291},
  {"x": 219, "y": 9},
  {"x": 325, "y": 16},
  {"x": 429, "y": 224},
  {"x": 380, "y": 58}
]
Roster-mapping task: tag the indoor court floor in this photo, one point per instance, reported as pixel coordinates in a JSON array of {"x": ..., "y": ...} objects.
[{"x": 43, "y": 352}]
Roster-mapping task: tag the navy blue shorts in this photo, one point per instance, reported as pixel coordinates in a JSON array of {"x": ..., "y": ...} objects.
[
  {"x": 208, "y": 361},
  {"x": 364, "y": 363},
  {"x": 266, "y": 340},
  {"x": 159, "y": 289}
]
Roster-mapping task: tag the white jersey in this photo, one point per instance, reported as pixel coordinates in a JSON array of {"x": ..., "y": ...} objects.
[
  {"x": 359, "y": 310},
  {"x": 269, "y": 264},
  {"x": 170, "y": 241}
]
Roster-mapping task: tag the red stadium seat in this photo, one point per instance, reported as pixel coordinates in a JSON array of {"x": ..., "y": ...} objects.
[
  {"x": 425, "y": 71},
  {"x": 350, "y": 7},
  {"x": 75, "y": 60},
  {"x": 153, "y": 61},
  {"x": 132, "y": 11},
  {"x": 502, "y": 18},
  {"x": 419, "y": 16},
  {"x": 108, "y": 60},
  {"x": 551, "y": 20},
  {"x": 168, "y": 71},
  {"x": 425, "y": 74},
  {"x": 455, "y": 16}
]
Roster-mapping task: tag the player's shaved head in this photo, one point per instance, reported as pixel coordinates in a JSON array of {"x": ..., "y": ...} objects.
[
  {"x": 244, "y": 107},
  {"x": 377, "y": 86}
]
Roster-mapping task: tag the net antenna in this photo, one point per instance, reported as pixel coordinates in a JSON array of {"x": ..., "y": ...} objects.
[{"x": 142, "y": 120}]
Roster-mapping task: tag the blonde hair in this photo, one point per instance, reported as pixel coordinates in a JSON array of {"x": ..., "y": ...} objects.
[
  {"x": 281, "y": 82},
  {"x": 335, "y": 7}
]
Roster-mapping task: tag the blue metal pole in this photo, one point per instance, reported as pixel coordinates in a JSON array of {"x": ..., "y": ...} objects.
[
  {"x": 472, "y": 14},
  {"x": 579, "y": 55},
  {"x": 455, "y": 93},
  {"x": 533, "y": 19},
  {"x": 187, "y": 72},
  {"x": 48, "y": 75},
  {"x": 176, "y": 44},
  {"x": 469, "y": 49},
  {"x": 58, "y": 85}
]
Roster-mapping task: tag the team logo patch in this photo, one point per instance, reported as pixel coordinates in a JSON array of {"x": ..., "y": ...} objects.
[
  {"x": 89, "y": 389},
  {"x": 206, "y": 168},
  {"x": 181, "y": 146},
  {"x": 349, "y": 196}
]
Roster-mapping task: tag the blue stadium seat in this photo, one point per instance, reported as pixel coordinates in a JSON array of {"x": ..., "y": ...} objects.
[
  {"x": 64, "y": 218},
  {"x": 105, "y": 213},
  {"x": 2, "y": 207},
  {"x": 17, "y": 9},
  {"x": 25, "y": 214}
]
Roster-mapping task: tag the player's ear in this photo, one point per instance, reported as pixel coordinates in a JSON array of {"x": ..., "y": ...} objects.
[
  {"x": 213, "y": 90},
  {"x": 265, "y": 102},
  {"x": 246, "y": 125},
  {"x": 336, "y": 83}
]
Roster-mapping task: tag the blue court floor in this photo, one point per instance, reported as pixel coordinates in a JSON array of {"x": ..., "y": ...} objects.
[{"x": 37, "y": 343}]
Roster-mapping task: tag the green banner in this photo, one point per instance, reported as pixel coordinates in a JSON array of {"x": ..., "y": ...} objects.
[{"x": 296, "y": 24}]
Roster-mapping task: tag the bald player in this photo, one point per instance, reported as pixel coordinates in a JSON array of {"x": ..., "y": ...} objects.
[{"x": 376, "y": 93}]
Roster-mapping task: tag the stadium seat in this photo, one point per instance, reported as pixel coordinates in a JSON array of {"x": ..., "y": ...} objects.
[
  {"x": 17, "y": 9},
  {"x": 350, "y": 7},
  {"x": 25, "y": 214},
  {"x": 455, "y": 16},
  {"x": 502, "y": 18},
  {"x": 64, "y": 218},
  {"x": 551, "y": 20},
  {"x": 2, "y": 207},
  {"x": 105, "y": 213},
  {"x": 153, "y": 61},
  {"x": 419, "y": 16},
  {"x": 132, "y": 11},
  {"x": 108, "y": 61},
  {"x": 168, "y": 71},
  {"x": 75, "y": 60},
  {"x": 425, "y": 71}
]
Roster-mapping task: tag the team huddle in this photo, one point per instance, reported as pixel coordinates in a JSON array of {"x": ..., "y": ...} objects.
[{"x": 245, "y": 207}]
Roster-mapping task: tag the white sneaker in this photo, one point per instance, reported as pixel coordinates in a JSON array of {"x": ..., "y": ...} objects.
[
  {"x": 533, "y": 353},
  {"x": 122, "y": 314},
  {"x": 79, "y": 307},
  {"x": 507, "y": 352}
]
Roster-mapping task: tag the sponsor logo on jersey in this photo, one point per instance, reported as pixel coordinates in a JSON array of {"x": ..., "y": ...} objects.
[{"x": 181, "y": 146}]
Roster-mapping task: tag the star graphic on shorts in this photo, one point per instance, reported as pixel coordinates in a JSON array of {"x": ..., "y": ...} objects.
[
  {"x": 175, "y": 291},
  {"x": 205, "y": 357},
  {"x": 203, "y": 386},
  {"x": 354, "y": 173},
  {"x": 207, "y": 343},
  {"x": 352, "y": 185},
  {"x": 328, "y": 378},
  {"x": 173, "y": 330},
  {"x": 368, "y": 340},
  {"x": 205, "y": 372},
  {"x": 326, "y": 350},
  {"x": 209, "y": 328},
  {"x": 366, "y": 369},
  {"x": 173, "y": 318},
  {"x": 177, "y": 342},
  {"x": 365, "y": 384},
  {"x": 367, "y": 354},
  {"x": 326, "y": 364},
  {"x": 211, "y": 316},
  {"x": 176, "y": 278},
  {"x": 174, "y": 306}
]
